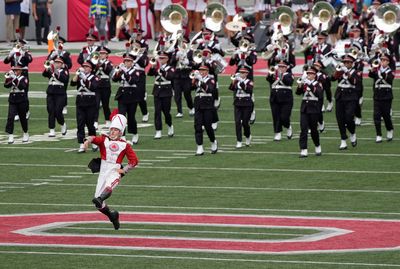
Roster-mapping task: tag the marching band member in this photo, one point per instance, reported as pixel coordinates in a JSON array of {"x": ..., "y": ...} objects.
[
  {"x": 128, "y": 96},
  {"x": 310, "y": 110},
  {"x": 182, "y": 61},
  {"x": 284, "y": 53},
  {"x": 321, "y": 48},
  {"x": 346, "y": 97},
  {"x": 58, "y": 75},
  {"x": 103, "y": 69},
  {"x": 17, "y": 100},
  {"x": 87, "y": 51},
  {"x": 383, "y": 80},
  {"x": 281, "y": 98},
  {"x": 242, "y": 87},
  {"x": 204, "y": 87},
  {"x": 86, "y": 106},
  {"x": 162, "y": 92},
  {"x": 113, "y": 149},
  {"x": 326, "y": 83},
  {"x": 21, "y": 56}
]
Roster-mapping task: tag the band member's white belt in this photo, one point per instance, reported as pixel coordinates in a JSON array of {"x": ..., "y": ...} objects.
[
  {"x": 128, "y": 86},
  {"x": 86, "y": 93},
  {"x": 162, "y": 83},
  {"x": 346, "y": 86},
  {"x": 202, "y": 94},
  {"x": 383, "y": 86},
  {"x": 54, "y": 83},
  {"x": 16, "y": 90},
  {"x": 309, "y": 98},
  {"x": 279, "y": 87},
  {"x": 243, "y": 95},
  {"x": 104, "y": 77},
  {"x": 139, "y": 68}
]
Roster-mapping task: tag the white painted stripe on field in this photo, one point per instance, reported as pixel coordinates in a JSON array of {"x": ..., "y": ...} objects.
[
  {"x": 167, "y": 257},
  {"x": 46, "y": 179},
  {"x": 219, "y": 168},
  {"x": 216, "y": 208},
  {"x": 56, "y": 176},
  {"x": 171, "y": 157},
  {"x": 80, "y": 173},
  {"x": 11, "y": 187}
]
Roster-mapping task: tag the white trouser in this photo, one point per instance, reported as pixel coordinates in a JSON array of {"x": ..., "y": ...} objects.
[
  {"x": 196, "y": 5},
  {"x": 108, "y": 178}
]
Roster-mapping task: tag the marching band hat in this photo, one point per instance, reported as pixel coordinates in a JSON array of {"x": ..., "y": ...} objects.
[
  {"x": 385, "y": 56},
  {"x": 312, "y": 70},
  {"x": 244, "y": 70},
  {"x": 163, "y": 55},
  {"x": 88, "y": 64},
  {"x": 356, "y": 28},
  {"x": 62, "y": 39},
  {"x": 128, "y": 57},
  {"x": 203, "y": 67},
  {"x": 323, "y": 34},
  {"x": 206, "y": 31},
  {"x": 318, "y": 64},
  {"x": 17, "y": 67},
  {"x": 104, "y": 49},
  {"x": 283, "y": 63},
  {"x": 119, "y": 122},
  {"x": 59, "y": 59},
  {"x": 91, "y": 37},
  {"x": 348, "y": 58}
]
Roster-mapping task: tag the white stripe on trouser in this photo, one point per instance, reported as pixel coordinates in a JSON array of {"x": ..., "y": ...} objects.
[{"x": 108, "y": 177}]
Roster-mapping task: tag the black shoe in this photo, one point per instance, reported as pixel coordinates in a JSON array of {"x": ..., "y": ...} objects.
[
  {"x": 354, "y": 143},
  {"x": 39, "y": 43},
  {"x": 97, "y": 202},
  {"x": 114, "y": 218}
]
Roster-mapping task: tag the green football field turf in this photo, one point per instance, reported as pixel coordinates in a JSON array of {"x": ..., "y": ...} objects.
[{"x": 267, "y": 178}]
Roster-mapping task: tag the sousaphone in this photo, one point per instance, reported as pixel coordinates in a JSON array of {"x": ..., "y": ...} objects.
[
  {"x": 215, "y": 15},
  {"x": 236, "y": 25},
  {"x": 387, "y": 17},
  {"x": 322, "y": 15},
  {"x": 173, "y": 17},
  {"x": 286, "y": 18}
]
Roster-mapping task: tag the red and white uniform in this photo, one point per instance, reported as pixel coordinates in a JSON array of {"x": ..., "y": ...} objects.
[{"x": 112, "y": 154}]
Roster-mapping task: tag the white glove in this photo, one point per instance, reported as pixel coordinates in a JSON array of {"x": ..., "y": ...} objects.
[
  {"x": 198, "y": 77},
  {"x": 360, "y": 101},
  {"x": 82, "y": 75}
]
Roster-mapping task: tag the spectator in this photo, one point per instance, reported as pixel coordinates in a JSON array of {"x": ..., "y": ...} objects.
[
  {"x": 132, "y": 8},
  {"x": 100, "y": 12},
  {"x": 12, "y": 9},
  {"x": 24, "y": 17},
  {"x": 41, "y": 13},
  {"x": 118, "y": 9}
]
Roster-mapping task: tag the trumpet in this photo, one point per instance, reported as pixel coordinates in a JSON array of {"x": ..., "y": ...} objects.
[
  {"x": 245, "y": 45},
  {"x": 341, "y": 68},
  {"x": 94, "y": 58},
  {"x": 235, "y": 77},
  {"x": 299, "y": 81},
  {"x": 272, "y": 70},
  {"x": 376, "y": 63},
  {"x": 153, "y": 61},
  {"x": 194, "y": 75},
  {"x": 9, "y": 74},
  {"x": 47, "y": 64},
  {"x": 198, "y": 56}
]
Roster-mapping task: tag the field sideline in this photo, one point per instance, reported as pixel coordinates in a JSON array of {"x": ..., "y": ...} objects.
[{"x": 175, "y": 197}]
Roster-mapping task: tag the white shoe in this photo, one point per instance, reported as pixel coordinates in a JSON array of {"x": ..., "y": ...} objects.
[
  {"x": 248, "y": 141},
  {"x": 329, "y": 107},
  {"x": 357, "y": 121},
  {"x": 214, "y": 147},
  {"x": 378, "y": 139},
  {"x": 96, "y": 125},
  {"x": 16, "y": 118},
  {"x": 277, "y": 137},
  {"x": 214, "y": 126},
  {"x": 179, "y": 115},
  {"x": 114, "y": 39},
  {"x": 135, "y": 139},
  {"x": 52, "y": 133},
  {"x": 145, "y": 118},
  {"x": 321, "y": 127},
  {"x": 303, "y": 153},
  {"x": 318, "y": 150},
  {"x": 289, "y": 133},
  {"x": 343, "y": 145},
  {"x": 10, "y": 139},
  {"x": 81, "y": 148},
  {"x": 65, "y": 111},
  {"x": 353, "y": 139},
  {"x": 252, "y": 117},
  {"x": 94, "y": 147},
  {"x": 323, "y": 108},
  {"x": 28, "y": 114},
  {"x": 389, "y": 135},
  {"x": 239, "y": 144},
  {"x": 171, "y": 131},
  {"x": 200, "y": 150},
  {"x": 25, "y": 137},
  {"x": 191, "y": 112},
  {"x": 158, "y": 135},
  {"x": 64, "y": 129},
  {"x": 108, "y": 123}
]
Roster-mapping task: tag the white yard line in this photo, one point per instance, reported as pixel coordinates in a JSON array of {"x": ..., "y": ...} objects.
[
  {"x": 80, "y": 173},
  {"x": 189, "y": 258},
  {"x": 46, "y": 179},
  {"x": 170, "y": 157},
  {"x": 56, "y": 176}
]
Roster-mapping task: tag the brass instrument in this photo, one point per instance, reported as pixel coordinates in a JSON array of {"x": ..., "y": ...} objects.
[
  {"x": 286, "y": 18},
  {"x": 198, "y": 56},
  {"x": 9, "y": 74},
  {"x": 236, "y": 25},
  {"x": 153, "y": 61},
  {"x": 306, "y": 17},
  {"x": 376, "y": 63},
  {"x": 235, "y": 77},
  {"x": 245, "y": 45},
  {"x": 47, "y": 64},
  {"x": 272, "y": 70},
  {"x": 95, "y": 57},
  {"x": 387, "y": 17},
  {"x": 215, "y": 15},
  {"x": 322, "y": 15},
  {"x": 194, "y": 74},
  {"x": 173, "y": 17}
]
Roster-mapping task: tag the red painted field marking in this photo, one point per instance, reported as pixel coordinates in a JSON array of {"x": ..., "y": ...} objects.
[{"x": 364, "y": 235}]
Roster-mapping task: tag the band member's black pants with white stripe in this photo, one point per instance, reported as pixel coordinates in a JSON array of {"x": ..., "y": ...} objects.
[
  {"x": 382, "y": 110},
  {"x": 345, "y": 117},
  {"x": 162, "y": 104},
  {"x": 55, "y": 105},
  {"x": 129, "y": 110},
  {"x": 309, "y": 121},
  {"x": 19, "y": 109},
  {"x": 242, "y": 119},
  {"x": 203, "y": 117}
]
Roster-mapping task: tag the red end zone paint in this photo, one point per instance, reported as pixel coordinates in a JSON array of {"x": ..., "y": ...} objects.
[{"x": 365, "y": 234}]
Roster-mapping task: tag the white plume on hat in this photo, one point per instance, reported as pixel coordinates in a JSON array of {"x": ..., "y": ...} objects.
[{"x": 119, "y": 122}]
